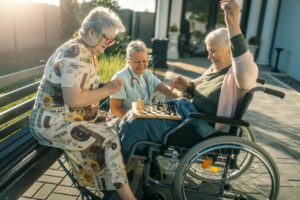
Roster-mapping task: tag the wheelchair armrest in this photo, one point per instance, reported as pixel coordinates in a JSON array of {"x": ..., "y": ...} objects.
[{"x": 219, "y": 119}]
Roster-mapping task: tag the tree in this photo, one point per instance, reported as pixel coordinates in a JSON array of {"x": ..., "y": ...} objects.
[
  {"x": 111, "y": 4},
  {"x": 68, "y": 18}
]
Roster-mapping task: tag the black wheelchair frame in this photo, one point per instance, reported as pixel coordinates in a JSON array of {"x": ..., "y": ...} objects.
[{"x": 178, "y": 139}]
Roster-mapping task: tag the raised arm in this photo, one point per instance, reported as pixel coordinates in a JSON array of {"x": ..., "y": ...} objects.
[
  {"x": 244, "y": 67},
  {"x": 231, "y": 16}
]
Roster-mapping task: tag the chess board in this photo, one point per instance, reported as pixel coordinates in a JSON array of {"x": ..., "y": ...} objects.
[{"x": 152, "y": 112}]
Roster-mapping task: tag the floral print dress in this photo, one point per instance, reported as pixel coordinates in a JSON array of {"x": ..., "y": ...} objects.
[{"x": 83, "y": 133}]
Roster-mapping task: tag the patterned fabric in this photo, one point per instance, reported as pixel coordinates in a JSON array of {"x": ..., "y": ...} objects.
[{"x": 84, "y": 133}]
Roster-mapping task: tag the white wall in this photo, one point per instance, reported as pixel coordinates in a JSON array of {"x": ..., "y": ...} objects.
[
  {"x": 22, "y": 26},
  {"x": 288, "y": 37}
]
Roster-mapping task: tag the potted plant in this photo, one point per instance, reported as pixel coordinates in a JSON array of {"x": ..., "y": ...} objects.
[
  {"x": 253, "y": 43},
  {"x": 173, "y": 28},
  {"x": 173, "y": 42}
]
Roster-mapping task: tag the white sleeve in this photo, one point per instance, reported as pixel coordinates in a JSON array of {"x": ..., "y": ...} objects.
[{"x": 121, "y": 94}]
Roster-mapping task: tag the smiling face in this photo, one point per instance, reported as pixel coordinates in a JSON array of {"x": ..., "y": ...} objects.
[
  {"x": 219, "y": 55},
  {"x": 105, "y": 40},
  {"x": 139, "y": 62}
]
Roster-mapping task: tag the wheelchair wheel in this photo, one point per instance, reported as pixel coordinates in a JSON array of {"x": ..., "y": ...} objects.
[
  {"x": 247, "y": 134},
  {"x": 215, "y": 160},
  {"x": 240, "y": 162}
]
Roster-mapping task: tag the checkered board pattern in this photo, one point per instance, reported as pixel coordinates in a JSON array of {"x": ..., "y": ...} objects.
[{"x": 152, "y": 112}]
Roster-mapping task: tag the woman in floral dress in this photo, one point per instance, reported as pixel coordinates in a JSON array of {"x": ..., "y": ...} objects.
[{"x": 66, "y": 113}]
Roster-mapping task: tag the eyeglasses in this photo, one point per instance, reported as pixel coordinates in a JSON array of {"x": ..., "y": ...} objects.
[{"x": 109, "y": 41}]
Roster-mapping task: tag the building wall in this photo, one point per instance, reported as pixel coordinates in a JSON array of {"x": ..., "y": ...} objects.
[
  {"x": 23, "y": 26},
  {"x": 287, "y": 37},
  {"x": 144, "y": 26}
]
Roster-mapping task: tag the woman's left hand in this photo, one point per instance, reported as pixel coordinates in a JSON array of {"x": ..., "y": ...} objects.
[{"x": 231, "y": 10}]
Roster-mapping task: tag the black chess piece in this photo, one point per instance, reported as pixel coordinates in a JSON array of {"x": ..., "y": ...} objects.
[
  {"x": 158, "y": 105},
  {"x": 174, "y": 110},
  {"x": 169, "y": 108}
]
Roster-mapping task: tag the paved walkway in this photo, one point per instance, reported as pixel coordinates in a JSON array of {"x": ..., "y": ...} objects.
[{"x": 276, "y": 123}]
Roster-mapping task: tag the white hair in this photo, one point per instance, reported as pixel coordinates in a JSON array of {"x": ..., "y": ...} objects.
[
  {"x": 219, "y": 35},
  {"x": 135, "y": 46},
  {"x": 100, "y": 19}
]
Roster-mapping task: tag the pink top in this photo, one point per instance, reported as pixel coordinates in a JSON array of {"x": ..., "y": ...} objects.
[{"x": 240, "y": 78}]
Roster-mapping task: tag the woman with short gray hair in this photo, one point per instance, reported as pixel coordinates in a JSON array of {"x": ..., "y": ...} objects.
[
  {"x": 100, "y": 20},
  {"x": 139, "y": 82},
  {"x": 66, "y": 112}
]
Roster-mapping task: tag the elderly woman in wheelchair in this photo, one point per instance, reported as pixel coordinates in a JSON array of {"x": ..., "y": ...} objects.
[{"x": 217, "y": 167}]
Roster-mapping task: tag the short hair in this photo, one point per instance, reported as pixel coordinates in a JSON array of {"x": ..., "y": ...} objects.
[
  {"x": 219, "y": 35},
  {"x": 100, "y": 19},
  {"x": 135, "y": 46}
]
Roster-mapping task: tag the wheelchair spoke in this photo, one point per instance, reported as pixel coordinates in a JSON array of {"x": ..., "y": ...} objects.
[{"x": 228, "y": 172}]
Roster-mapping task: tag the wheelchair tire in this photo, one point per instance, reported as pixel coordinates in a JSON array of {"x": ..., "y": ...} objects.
[
  {"x": 244, "y": 162},
  {"x": 247, "y": 134},
  {"x": 259, "y": 181}
]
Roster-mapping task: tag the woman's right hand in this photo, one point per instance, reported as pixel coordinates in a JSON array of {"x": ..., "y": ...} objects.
[{"x": 114, "y": 85}]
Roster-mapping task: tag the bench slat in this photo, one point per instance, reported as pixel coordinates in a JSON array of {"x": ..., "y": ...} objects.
[
  {"x": 16, "y": 111},
  {"x": 12, "y": 142},
  {"x": 24, "y": 173},
  {"x": 13, "y": 127},
  {"x": 18, "y": 94},
  {"x": 10, "y": 79},
  {"x": 17, "y": 155}
]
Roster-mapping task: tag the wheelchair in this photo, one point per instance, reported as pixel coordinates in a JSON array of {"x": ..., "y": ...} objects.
[{"x": 223, "y": 166}]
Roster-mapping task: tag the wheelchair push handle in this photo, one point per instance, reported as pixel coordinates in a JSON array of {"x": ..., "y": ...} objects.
[
  {"x": 275, "y": 92},
  {"x": 261, "y": 81}
]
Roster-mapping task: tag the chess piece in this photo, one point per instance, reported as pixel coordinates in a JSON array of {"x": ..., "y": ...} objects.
[
  {"x": 174, "y": 110},
  {"x": 140, "y": 106},
  {"x": 158, "y": 105}
]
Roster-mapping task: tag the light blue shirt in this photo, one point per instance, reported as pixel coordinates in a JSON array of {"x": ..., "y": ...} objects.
[{"x": 135, "y": 86}]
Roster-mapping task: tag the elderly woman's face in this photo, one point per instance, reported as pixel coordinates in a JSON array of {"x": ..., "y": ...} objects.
[
  {"x": 139, "y": 62},
  {"x": 106, "y": 40},
  {"x": 219, "y": 55}
]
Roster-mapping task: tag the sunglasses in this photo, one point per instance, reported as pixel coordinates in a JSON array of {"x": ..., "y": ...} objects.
[{"x": 109, "y": 41}]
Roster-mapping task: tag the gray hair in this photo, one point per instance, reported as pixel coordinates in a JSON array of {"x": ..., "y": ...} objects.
[
  {"x": 219, "y": 35},
  {"x": 135, "y": 46},
  {"x": 100, "y": 19}
]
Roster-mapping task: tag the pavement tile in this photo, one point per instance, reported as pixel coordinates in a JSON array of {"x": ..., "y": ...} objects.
[
  {"x": 66, "y": 181},
  {"x": 55, "y": 196},
  {"x": 58, "y": 173},
  {"x": 285, "y": 194},
  {"x": 45, "y": 191},
  {"x": 50, "y": 179},
  {"x": 67, "y": 190},
  {"x": 55, "y": 166},
  {"x": 284, "y": 182},
  {"x": 33, "y": 189},
  {"x": 295, "y": 183}
]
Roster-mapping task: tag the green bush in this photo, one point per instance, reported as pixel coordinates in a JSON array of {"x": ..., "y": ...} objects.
[{"x": 109, "y": 65}]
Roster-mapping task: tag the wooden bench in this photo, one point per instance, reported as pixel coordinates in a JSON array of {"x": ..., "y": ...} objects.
[{"x": 22, "y": 159}]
